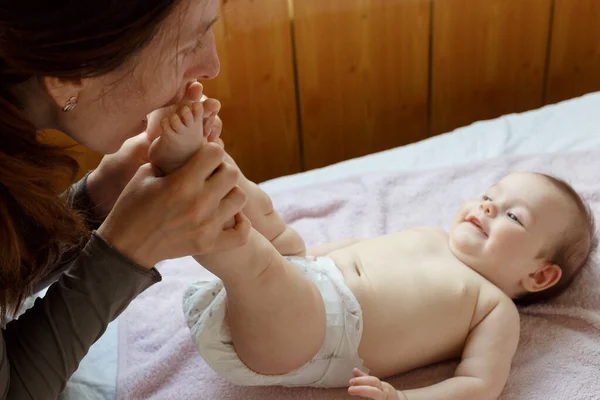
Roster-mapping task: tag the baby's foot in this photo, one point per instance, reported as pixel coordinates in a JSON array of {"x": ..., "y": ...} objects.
[{"x": 182, "y": 135}]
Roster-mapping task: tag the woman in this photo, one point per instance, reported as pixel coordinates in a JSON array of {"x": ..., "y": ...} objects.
[{"x": 94, "y": 70}]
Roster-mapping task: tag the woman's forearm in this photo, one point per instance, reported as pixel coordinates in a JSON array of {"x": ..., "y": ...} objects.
[{"x": 43, "y": 348}]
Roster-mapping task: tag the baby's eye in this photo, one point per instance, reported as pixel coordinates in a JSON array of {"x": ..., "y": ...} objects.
[
  {"x": 486, "y": 198},
  {"x": 514, "y": 218}
]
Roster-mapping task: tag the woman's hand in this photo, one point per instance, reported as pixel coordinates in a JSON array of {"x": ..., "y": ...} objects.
[
  {"x": 107, "y": 181},
  {"x": 163, "y": 217},
  {"x": 370, "y": 387}
]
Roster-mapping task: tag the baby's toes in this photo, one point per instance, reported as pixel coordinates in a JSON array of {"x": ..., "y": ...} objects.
[
  {"x": 165, "y": 124},
  {"x": 211, "y": 107},
  {"x": 185, "y": 113},
  {"x": 198, "y": 111},
  {"x": 176, "y": 124}
]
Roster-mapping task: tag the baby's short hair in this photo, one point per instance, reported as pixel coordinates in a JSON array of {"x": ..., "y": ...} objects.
[{"x": 574, "y": 248}]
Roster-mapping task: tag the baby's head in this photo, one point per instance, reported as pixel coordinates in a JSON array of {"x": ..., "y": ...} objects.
[{"x": 530, "y": 234}]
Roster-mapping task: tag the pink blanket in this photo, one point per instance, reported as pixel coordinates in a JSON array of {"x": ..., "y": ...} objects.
[{"x": 559, "y": 353}]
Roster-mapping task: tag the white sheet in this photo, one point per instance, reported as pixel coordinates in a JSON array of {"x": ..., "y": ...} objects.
[{"x": 569, "y": 126}]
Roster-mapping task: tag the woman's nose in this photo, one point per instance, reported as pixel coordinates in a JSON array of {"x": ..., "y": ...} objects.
[
  {"x": 210, "y": 63},
  {"x": 205, "y": 63},
  {"x": 211, "y": 67}
]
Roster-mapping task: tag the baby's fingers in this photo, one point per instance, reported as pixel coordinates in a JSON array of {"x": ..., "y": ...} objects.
[
  {"x": 366, "y": 381},
  {"x": 357, "y": 372},
  {"x": 368, "y": 392}
]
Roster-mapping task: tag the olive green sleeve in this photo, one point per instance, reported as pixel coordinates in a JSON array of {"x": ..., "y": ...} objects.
[
  {"x": 42, "y": 349},
  {"x": 78, "y": 198}
]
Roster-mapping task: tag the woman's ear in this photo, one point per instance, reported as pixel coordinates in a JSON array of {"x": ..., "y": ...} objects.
[
  {"x": 544, "y": 278},
  {"x": 63, "y": 91}
]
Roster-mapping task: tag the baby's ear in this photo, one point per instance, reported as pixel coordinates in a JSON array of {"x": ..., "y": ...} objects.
[{"x": 544, "y": 278}]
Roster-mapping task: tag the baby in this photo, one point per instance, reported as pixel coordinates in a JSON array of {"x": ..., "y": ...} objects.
[{"x": 386, "y": 305}]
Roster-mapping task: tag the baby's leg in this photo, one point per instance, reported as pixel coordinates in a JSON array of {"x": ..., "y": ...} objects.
[
  {"x": 275, "y": 313},
  {"x": 259, "y": 210},
  {"x": 182, "y": 135}
]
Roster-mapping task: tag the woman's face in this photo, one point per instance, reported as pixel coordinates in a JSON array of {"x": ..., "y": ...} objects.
[{"x": 111, "y": 108}]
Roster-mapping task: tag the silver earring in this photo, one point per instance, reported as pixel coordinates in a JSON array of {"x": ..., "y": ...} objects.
[{"x": 71, "y": 104}]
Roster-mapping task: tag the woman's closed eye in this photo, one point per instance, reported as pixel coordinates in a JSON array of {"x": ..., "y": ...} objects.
[{"x": 196, "y": 47}]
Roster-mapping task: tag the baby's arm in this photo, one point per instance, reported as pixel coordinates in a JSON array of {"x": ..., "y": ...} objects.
[
  {"x": 486, "y": 359},
  {"x": 370, "y": 387},
  {"x": 485, "y": 364}
]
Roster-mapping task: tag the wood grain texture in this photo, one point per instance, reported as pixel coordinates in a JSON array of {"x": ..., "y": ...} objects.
[
  {"x": 362, "y": 75},
  {"x": 488, "y": 59},
  {"x": 575, "y": 51},
  {"x": 256, "y": 87}
]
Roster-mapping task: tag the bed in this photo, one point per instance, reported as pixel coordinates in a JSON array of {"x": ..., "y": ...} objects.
[{"x": 563, "y": 133}]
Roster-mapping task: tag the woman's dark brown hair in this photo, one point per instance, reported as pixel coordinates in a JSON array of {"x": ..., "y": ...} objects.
[{"x": 66, "y": 39}]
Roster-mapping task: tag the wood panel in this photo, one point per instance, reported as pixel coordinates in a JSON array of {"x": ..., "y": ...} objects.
[
  {"x": 488, "y": 59},
  {"x": 256, "y": 87},
  {"x": 575, "y": 52},
  {"x": 362, "y": 75}
]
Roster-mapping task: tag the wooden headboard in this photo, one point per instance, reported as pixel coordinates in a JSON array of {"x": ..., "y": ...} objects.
[{"x": 306, "y": 83}]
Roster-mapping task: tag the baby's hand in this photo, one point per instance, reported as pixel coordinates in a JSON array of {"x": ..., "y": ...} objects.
[{"x": 371, "y": 387}]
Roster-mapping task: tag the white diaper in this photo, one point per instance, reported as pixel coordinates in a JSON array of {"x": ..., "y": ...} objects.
[{"x": 204, "y": 305}]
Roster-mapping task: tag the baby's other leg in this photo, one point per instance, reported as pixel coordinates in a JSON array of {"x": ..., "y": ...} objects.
[
  {"x": 182, "y": 135},
  {"x": 259, "y": 210},
  {"x": 275, "y": 313}
]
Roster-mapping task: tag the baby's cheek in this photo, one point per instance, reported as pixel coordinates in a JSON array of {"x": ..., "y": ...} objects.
[
  {"x": 462, "y": 213},
  {"x": 510, "y": 243}
]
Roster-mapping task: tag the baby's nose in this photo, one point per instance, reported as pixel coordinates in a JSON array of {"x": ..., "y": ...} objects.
[{"x": 488, "y": 209}]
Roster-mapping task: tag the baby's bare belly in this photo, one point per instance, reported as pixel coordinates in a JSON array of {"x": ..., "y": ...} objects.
[{"x": 414, "y": 315}]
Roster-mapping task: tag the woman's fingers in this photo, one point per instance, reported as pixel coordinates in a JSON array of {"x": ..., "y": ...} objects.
[
  {"x": 202, "y": 164},
  {"x": 236, "y": 236},
  {"x": 230, "y": 205},
  {"x": 224, "y": 178}
]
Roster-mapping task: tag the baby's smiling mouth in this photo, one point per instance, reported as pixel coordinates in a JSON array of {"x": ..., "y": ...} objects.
[{"x": 476, "y": 223}]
